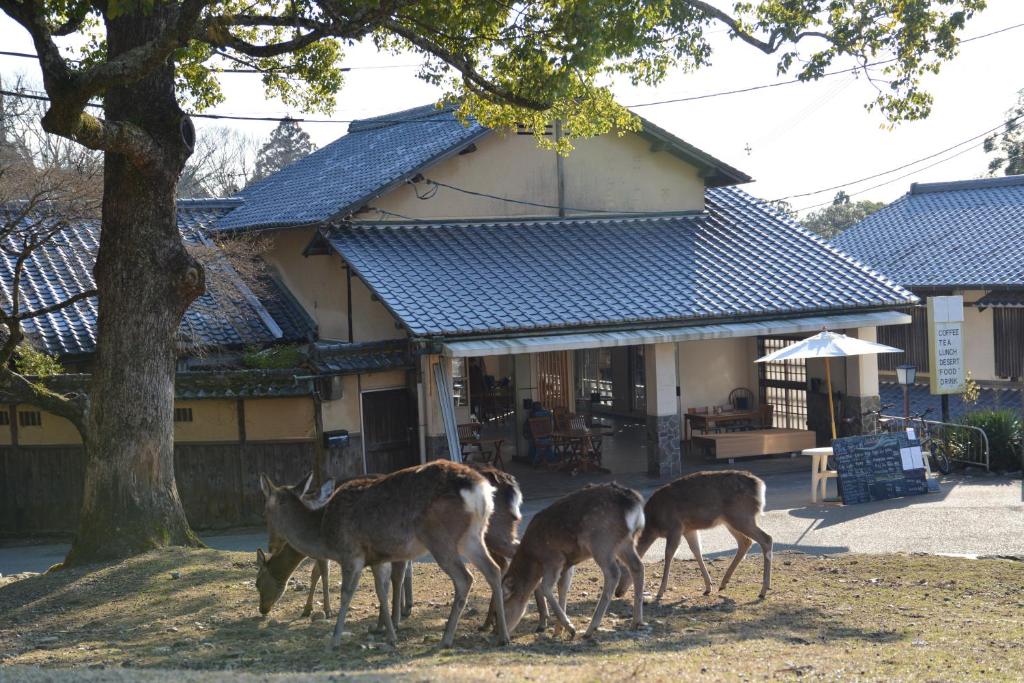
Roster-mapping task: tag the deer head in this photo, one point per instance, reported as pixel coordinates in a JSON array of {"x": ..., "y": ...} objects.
[{"x": 270, "y": 587}]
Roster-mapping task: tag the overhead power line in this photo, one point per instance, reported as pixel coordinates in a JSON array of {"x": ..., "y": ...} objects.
[{"x": 990, "y": 131}]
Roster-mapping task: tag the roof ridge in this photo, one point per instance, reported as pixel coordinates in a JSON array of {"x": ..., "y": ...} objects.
[
  {"x": 512, "y": 220},
  {"x": 411, "y": 115},
  {"x": 969, "y": 184},
  {"x": 210, "y": 202}
]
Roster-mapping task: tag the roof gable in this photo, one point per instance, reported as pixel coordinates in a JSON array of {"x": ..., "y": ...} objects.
[
  {"x": 739, "y": 259},
  {"x": 378, "y": 154},
  {"x": 964, "y": 234}
]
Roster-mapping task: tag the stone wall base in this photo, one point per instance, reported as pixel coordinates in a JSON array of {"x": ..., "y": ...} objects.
[{"x": 663, "y": 453}]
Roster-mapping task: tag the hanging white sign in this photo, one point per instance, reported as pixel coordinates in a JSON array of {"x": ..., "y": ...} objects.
[{"x": 946, "y": 344}]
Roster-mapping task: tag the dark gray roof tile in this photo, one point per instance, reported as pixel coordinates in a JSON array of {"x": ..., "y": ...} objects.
[{"x": 739, "y": 258}]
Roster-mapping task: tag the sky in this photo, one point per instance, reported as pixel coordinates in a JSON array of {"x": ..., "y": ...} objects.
[{"x": 793, "y": 139}]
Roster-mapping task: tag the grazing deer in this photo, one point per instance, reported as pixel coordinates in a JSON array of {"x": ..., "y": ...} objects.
[
  {"x": 441, "y": 507},
  {"x": 502, "y": 537},
  {"x": 703, "y": 500},
  {"x": 275, "y": 571},
  {"x": 600, "y": 522}
]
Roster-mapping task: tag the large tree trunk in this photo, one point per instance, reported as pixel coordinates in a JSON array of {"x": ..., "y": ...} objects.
[{"x": 146, "y": 280}]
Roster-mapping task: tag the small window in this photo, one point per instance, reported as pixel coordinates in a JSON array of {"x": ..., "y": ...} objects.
[
  {"x": 182, "y": 414},
  {"x": 30, "y": 418},
  {"x": 5, "y": 418}
]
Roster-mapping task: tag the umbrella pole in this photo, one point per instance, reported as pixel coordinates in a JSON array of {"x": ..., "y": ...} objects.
[{"x": 831, "y": 408}]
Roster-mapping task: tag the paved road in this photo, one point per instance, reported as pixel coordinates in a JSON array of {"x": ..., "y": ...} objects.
[{"x": 971, "y": 516}]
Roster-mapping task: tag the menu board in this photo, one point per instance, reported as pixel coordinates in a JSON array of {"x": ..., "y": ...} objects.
[{"x": 879, "y": 466}]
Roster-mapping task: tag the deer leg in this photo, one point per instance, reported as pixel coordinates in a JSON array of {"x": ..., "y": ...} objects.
[
  {"x": 542, "y": 610},
  {"x": 610, "y": 568},
  {"x": 489, "y": 622},
  {"x": 477, "y": 553},
  {"x": 693, "y": 540},
  {"x": 397, "y": 580},
  {"x": 635, "y": 567},
  {"x": 381, "y": 580},
  {"x": 751, "y": 529},
  {"x": 461, "y": 582},
  {"x": 564, "y": 582},
  {"x": 407, "y": 590},
  {"x": 314, "y": 577},
  {"x": 671, "y": 546},
  {"x": 551, "y": 575},
  {"x": 743, "y": 544},
  {"x": 350, "y": 572}
]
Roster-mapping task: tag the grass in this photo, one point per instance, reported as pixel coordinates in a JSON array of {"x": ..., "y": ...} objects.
[{"x": 869, "y": 617}]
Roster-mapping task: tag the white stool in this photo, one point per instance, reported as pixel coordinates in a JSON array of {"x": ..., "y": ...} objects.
[{"x": 820, "y": 473}]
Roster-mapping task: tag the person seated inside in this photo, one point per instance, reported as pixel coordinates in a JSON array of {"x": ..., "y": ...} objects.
[{"x": 542, "y": 446}]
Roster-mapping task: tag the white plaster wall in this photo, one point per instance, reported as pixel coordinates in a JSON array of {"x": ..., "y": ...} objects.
[{"x": 979, "y": 338}]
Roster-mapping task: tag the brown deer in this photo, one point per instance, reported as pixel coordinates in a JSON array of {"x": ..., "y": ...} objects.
[
  {"x": 274, "y": 572},
  {"x": 441, "y": 507},
  {"x": 703, "y": 500},
  {"x": 600, "y": 522},
  {"x": 502, "y": 536}
]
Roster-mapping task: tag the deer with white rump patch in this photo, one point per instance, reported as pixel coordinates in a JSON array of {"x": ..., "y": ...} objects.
[
  {"x": 274, "y": 572},
  {"x": 703, "y": 500},
  {"x": 599, "y": 522},
  {"x": 441, "y": 507}
]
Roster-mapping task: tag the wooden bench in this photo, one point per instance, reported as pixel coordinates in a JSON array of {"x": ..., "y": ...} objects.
[{"x": 729, "y": 445}]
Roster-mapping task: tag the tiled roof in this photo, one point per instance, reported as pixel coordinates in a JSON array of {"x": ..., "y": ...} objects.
[
  {"x": 354, "y": 168},
  {"x": 964, "y": 234},
  {"x": 224, "y": 316},
  {"x": 340, "y": 358},
  {"x": 377, "y": 153},
  {"x": 921, "y": 398},
  {"x": 738, "y": 259}
]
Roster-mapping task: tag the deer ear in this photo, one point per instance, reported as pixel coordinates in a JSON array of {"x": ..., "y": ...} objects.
[
  {"x": 266, "y": 485},
  {"x": 315, "y": 502},
  {"x": 261, "y": 559},
  {"x": 307, "y": 484}
]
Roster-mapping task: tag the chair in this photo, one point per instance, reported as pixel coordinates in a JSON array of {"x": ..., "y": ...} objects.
[
  {"x": 741, "y": 399},
  {"x": 542, "y": 436},
  {"x": 578, "y": 423},
  {"x": 469, "y": 435}
]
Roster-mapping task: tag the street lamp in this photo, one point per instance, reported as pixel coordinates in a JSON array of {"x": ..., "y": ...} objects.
[{"x": 905, "y": 375}]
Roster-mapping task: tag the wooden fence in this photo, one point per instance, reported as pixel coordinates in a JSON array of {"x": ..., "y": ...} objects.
[{"x": 41, "y": 486}]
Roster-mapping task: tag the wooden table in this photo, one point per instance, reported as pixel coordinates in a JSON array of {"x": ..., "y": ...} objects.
[
  {"x": 482, "y": 445},
  {"x": 706, "y": 421},
  {"x": 586, "y": 457},
  {"x": 729, "y": 445},
  {"x": 820, "y": 473}
]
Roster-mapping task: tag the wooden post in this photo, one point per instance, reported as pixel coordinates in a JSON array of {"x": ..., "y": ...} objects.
[
  {"x": 319, "y": 474},
  {"x": 831, "y": 407},
  {"x": 13, "y": 408}
]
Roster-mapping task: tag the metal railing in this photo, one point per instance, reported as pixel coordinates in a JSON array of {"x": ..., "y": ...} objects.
[{"x": 964, "y": 443}]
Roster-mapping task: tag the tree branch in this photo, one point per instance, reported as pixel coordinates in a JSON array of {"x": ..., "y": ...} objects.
[
  {"x": 60, "y": 305},
  {"x": 472, "y": 77}
]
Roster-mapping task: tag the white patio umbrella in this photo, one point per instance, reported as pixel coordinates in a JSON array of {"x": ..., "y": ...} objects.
[{"x": 828, "y": 345}]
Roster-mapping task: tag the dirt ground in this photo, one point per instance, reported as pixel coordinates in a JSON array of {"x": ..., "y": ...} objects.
[{"x": 190, "y": 615}]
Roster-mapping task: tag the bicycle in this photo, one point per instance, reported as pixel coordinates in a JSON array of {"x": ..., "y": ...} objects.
[{"x": 931, "y": 443}]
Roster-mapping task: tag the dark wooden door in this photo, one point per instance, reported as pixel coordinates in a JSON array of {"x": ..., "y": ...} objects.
[{"x": 389, "y": 430}]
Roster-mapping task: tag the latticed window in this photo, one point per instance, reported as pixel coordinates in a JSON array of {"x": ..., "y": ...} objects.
[
  {"x": 912, "y": 338},
  {"x": 553, "y": 379},
  {"x": 1008, "y": 328},
  {"x": 783, "y": 385}
]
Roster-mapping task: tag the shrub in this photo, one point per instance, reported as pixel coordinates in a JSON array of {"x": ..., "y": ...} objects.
[
  {"x": 30, "y": 361},
  {"x": 1005, "y": 436}
]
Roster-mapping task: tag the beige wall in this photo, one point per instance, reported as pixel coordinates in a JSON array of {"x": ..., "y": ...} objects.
[
  {"x": 54, "y": 431},
  {"x": 344, "y": 412},
  {"x": 212, "y": 420},
  {"x": 317, "y": 282},
  {"x": 279, "y": 419},
  {"x": 371, "y": 321},
  {"x": 623, "y": 174},
  {"x": 709, "y": 369},
  {"x": 979, "y": 339},
  {"x": 607, "y": 173}
]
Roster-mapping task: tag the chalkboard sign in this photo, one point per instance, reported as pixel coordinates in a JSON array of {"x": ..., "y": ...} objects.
[{"x": 879, "y": 466}]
